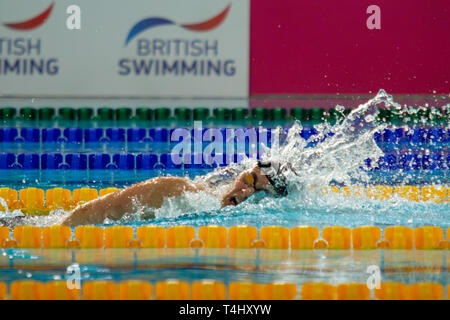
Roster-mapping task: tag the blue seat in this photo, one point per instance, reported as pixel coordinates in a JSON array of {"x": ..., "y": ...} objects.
[
  {"x": 159, "y": 134},
  {"x": 214, "y": 132},
  {"x": 417, "y": 136},
  {"x": 308, "y": 133},
  {"x": 124, "y": 161},
  {"x": 135, "y": 134},
  {"x": 167, "y": 161},
  {"x": 73, "y": 134},
  {"x": 6, "y": 160},
  {"x": 30, "y": 134},
  {"x": 264, "y": 136},
  {"x": 436, "y": 135},
  {"x": 98, "y": 161},
  {"x": 28, "y": 161},
  {"x": 388, "y": 162},
  {"x": 51, "y": 161},
  {"x": 51, "y": 134},
  {"x": 115, "y": 134},
  {"x": 433, "y": 161},
  {"x": 392, "y": 135},
  {"x": 177, "y": 135},
  {"x": 195, "y": 161},
  {"x": 409, "y": 162},
  {"x": 93, "y": 134},
  {"x": 76, "y": 161},
  {"x": 9, "y": 134},
  {"x": 378, "y": 137},
  {"x": 197, "y": 134},
  {"x": 146, "y": 161}
]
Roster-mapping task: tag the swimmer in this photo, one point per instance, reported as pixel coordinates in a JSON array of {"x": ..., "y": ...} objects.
[{"x": 151, "y": 193}]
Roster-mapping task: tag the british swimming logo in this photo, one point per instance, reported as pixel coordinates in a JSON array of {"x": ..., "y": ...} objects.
[
  {"x": 32, "y": 23},
  {"x": 153, "y": 22},
  {"x": 23, "y": 56}
]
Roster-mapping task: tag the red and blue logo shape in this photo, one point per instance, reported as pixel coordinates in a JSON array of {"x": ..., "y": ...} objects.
[
  {"x": 32, "y": 23},
  {"x": 152, "y": 22}
]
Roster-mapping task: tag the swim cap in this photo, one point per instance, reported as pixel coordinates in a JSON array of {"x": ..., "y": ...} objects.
[{"x": 272, "y": 171}]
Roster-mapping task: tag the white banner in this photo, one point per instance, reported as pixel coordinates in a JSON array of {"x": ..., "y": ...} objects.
[{"x": 113, "y": 48}]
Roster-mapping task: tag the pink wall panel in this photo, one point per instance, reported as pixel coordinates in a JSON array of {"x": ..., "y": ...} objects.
[{"x": 312, "y": 47}]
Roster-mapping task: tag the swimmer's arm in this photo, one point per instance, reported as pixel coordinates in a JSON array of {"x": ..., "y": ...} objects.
[{"x": 150, "y": 193}]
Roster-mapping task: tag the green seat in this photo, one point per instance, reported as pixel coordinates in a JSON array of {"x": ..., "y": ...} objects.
[
  {"x": 299, "y": 114},
  {"x": 222, "y": 114},
  {"x": 384, "y": 115},
  {"x": 28, "y": 113},
  {"x": 105, "y": 114},
  {"x": 85, "y": 114},
  {"x": 239, "y": 114},
  {"x": 260, "y": 114},
  {"x": 144, "y": 114},
  {"x": 66, "y": 114},
  {"x": 162, "y": 114},
  {"x": 7, "y": 113},
  {"x": 201, "y": 114},
  {"x": 123, "y": 114},
  {"x": 46, "y": 114},
  {"x": 317, "y": 114},
  {"x": 278, "y": 114},
  {"x": 183, "y": 114}
]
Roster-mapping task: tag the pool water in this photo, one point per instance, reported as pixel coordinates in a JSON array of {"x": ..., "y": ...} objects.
[{"x": 363, "y": 153}]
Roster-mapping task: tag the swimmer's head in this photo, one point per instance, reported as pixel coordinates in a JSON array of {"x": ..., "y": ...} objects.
[{"x": 251, "y": 181}]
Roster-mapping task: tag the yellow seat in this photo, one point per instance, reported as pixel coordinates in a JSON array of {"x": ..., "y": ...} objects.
[
  {"x": 318, "y": 291},
  {"x": 409, "y": 192},
  {"x": 241, "y": 237},
  {"x": 245, "y": 291},
  {"x": 84, "y": 195},
  {"x": 355, "y": 190},
  {"x": 379, "y": 192},
  {"x": 108, "y": 191},
  {"x": 33, "y": 200},
  {"x": 58, "y": 290},
  {"x": 280, "y": 291},
  {"x": 59, "y": 198},
  {"x": 213, "y": 236},
  {"x": 56, "y": 236},
  {"x": 4, "y": 235},
  {"x": 3, "y": 290},
  {"x": 303, "y": 237},
  {"x": 434, "y": 193},
  {"x": 391, "y": 290},
  {"x": 275, "y": 237},
  {"x": 118, "y": 236},
  {"x": 9, "y": 195},
  {"x": 151, "y": 236},
  {"x": 365, "y": 237},
  {"x": 100, "y": 290},
  {"x": 426, "y": 291},
  {"x": 172, "y": 290},
  {"x": 399, "y": 237},
  {"x": 27, "y": 290},
  {"x": 353, "y": 291},
  {"x": 337, "y": 237},
  {"x": 90, "y": 236},
  {"x": 28, "y": 236},
  {"x": 428, "y": 237},
  {"x": 135, "y": 290},
  {"x": 208, "y": 290},
  {"x": 180, "y": 236}
]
